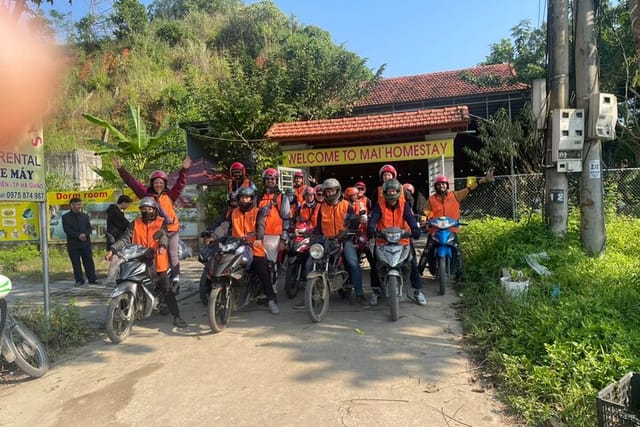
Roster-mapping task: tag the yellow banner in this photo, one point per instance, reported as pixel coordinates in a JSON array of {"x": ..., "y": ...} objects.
[
  {"x": 369, "y": 154},
  {"x": 20, "y": 221},
  {"x": 89, "y": 196}
]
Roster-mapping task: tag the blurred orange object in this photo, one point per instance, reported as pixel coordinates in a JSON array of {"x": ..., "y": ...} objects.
[{"x": 30, "y": 71}]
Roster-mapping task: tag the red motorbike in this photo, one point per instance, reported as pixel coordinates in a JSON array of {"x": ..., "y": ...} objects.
[{"x": 298, "y": 253}]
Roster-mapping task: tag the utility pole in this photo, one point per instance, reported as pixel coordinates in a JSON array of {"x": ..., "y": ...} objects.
[
  {"x": 591, "y": 205},
  {"x": 556, "y": 183}
]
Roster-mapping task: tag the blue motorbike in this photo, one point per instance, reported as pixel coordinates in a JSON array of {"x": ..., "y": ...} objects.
[{"x": 442, "y": 248}]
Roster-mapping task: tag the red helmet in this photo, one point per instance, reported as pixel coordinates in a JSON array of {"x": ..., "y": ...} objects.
[
  {"x": 361, "y": 184},
  {"x": 409, "y": 187},
  {"x": 319, "y": 189},
  {"x": 309, "y": 190},
  {"x": 270, "y": 172},
  {"x": 441, "y": 178},
  {"x": 237, "y": 166},
  {"x": 350, "y": 192},
  {"x": 388, "y": 168},
  {"x": 158, "y": 174},
  {"x": 298, "y": 173}
]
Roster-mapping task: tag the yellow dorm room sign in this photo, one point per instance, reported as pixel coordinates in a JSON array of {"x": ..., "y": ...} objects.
[{"x": 370, "y": 154}]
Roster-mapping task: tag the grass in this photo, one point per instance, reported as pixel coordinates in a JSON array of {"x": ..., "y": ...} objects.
[{"x": 574, "y": 332}]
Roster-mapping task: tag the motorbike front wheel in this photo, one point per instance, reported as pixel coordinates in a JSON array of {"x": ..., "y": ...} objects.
[
  {"x": 220, "y": 308},
  {"x": 205, "y": 288},
  {"x": 316, "y": 299},
  {"x": 292, "y": 279},
  {"x": 442, "y": 274},
  {"x": 31, "y": 356},
  {"x": 393, "y": 286},
  {"x": 120, "y": 317}
]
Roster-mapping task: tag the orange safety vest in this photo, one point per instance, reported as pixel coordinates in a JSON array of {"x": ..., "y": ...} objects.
[
  {"x": 365, "y": 203},
  {"x": 449, "y": 206},
  {"x": 243, "y": 223},
  {"x": 392, "y": 218},
  {"x": 298, "y": 192},
  {"x": 273, "y": 220},
  {"x": 334, "y": 218},
  {"x": 143, "y": 235},
  {"x": 307, "y": 214},
  {"x": 166, "y": 204}
]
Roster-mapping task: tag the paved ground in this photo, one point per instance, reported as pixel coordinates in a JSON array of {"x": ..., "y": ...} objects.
[{"x": 356, "y": 368}]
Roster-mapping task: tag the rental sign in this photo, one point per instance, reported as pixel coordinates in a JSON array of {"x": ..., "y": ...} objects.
[{"x": 369, "y": 154}]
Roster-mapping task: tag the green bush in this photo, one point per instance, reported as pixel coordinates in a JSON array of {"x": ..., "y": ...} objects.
[
  {"x": 11, "y": 258},
  {"x": 574, "y": 332}
]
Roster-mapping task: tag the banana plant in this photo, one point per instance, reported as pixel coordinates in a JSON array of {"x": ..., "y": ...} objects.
[{"x": 132, "y": 144}]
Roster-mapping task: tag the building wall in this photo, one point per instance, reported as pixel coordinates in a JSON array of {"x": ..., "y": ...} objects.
[{"x": 76, "y": 166}]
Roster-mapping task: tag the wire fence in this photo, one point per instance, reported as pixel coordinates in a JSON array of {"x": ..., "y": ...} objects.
[{"x": 518, "y": 196}]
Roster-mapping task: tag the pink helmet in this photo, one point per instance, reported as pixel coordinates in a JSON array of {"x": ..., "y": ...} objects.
[
  {"x": 298, "y": 173},
  {"x": 388, "y": 168},
  {"x": 270, "y": 172},
  {"x": 319, "y": 189},
  {"x": 158, "y": 174},
  {"x": 309, "y": 190},
  {"x": 409, "y": 187},
  {"x": 237, "y": 166},
  {"x": 361, "y": 184}
]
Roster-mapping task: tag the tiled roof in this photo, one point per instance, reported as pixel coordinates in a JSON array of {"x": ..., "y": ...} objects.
[
  {"x": 353, "y": 127},
  {"x": 445, "y": 84}
]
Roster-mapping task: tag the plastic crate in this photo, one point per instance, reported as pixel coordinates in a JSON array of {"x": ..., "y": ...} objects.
[{"x": 618, "y": 404}]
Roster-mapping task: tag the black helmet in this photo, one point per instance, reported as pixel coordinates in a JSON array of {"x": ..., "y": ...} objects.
[
  {"x": 331, "y": 183},
  {"x": 391, "y": 184},
  {"x": 246, "y": 192}
]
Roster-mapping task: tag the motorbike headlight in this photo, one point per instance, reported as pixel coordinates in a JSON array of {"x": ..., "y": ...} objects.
[{"x": 316, "y": 251}]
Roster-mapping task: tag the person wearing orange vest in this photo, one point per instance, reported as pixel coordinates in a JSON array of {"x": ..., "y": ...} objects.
[
  {"x": 278, "y": 217},
  {"x": 447, "y": 203},
  {"x": 299, "y": 187},
  {"x": 248, "y": 220},
  {"x": 237, "y": 178},
  {"x": 144, "y": 231},
  {"x": 165, "y": 197},
  {"x": 392, "y": 211},
  {"x": 335, "y": 216},
  {"x": 362, "y": 198},
  {"x": 386, "y": 173},
  {"x": 308, "y": 211}
]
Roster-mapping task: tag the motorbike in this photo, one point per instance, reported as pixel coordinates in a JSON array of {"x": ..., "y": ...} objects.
[
  {"x": 136, "y": 295},
  {"x": 298, "y": 252},
  {"x": 444, "y": 251},
  {"x": 393, "y": 265},
  {"x": 18, "y": 344},
  {"x": 328, "y": 275},
  {"x": 232, "y": 285}
]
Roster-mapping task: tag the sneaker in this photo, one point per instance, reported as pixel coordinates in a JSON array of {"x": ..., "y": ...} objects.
[
  {"x": 374, "y": 298},
  {"x": 79, "y": 283},
  {"x": 179, "y": 322},
  {"x": 96, "y": 282},
  {"x": 419, "y": 297},
  {"x": 273, "y": 307}
]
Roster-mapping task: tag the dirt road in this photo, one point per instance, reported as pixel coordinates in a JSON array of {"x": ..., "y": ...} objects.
[{"x": 356, "y": 368}]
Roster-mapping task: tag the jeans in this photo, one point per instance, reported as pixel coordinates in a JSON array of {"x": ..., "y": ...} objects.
[{"x": 83, "y": 254}]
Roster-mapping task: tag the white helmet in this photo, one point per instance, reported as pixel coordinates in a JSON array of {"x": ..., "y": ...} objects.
[{"x": 5, "y": 286}]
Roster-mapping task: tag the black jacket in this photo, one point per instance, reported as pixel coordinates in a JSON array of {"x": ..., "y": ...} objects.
[
  {"x": 117, "y": 224},
  {"x": 75, "y": 224}
]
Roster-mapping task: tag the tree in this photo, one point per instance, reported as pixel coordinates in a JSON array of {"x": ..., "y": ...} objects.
[
  {"x": 178, "y": 9},
  {"x": 132, "y": 144},
  {"x": 129, "y": 18}
]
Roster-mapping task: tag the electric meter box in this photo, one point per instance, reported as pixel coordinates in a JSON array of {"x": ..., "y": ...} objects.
[
  {"x": 567, "y": 131},
  {"x": 603, "y": 116}
]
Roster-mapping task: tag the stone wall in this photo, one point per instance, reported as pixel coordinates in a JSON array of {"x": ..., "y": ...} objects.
[{"x": 76, "y": 166}]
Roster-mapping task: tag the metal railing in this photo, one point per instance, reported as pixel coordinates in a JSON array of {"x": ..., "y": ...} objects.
[{"x": 518, "y": 196}]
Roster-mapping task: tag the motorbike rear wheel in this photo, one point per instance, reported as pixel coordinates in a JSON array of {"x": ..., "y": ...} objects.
[
  {"x": 205, "y": 288},
  {"x": 393, "y": 286},
  {"x": 442, "y": 274},
  {"x": 31, "y": 356},
  {"x": 220, "y": 306},
  {"x": 292, "y": 279},
  {"x": 120, "y": 317},
  {"x": 316, "y": 299}
]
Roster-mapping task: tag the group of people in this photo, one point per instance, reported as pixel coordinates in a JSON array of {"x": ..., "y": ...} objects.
[{"x": 265, "y": 218}]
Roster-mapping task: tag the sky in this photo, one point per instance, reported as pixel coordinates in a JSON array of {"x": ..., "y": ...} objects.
[{"x": 409, "y": 36}]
